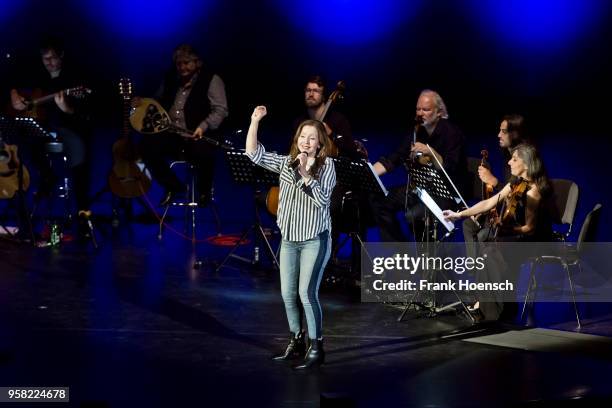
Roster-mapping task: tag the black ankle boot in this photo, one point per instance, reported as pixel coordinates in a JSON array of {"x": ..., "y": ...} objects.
[
  {"x": 295, "y": 349},
  {"x": 315, "y": 356}
]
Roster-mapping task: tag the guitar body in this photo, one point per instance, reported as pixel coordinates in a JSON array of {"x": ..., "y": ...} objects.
[
  {"x": 127, "y": 178},
  {"x": 9, "y": 172},
  {"x": 272, "y": 200},
  {"x": 149, "y": 117},
  {"x": 33, "y": 111}
]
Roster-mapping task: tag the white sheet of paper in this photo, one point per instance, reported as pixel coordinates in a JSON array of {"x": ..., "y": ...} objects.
[
  {"x": 382, "y": 186},
  {"x": 434, "y": 208}
]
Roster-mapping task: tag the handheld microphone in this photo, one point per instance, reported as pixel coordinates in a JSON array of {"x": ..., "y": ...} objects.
[
  {"x": 295, "y": 164},
  {"x": 418, "y": 121}
]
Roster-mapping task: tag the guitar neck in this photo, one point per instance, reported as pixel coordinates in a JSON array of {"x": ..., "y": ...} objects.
[
  {"x": 43, "y": 99},
  {"x": 125, "y": 130}
]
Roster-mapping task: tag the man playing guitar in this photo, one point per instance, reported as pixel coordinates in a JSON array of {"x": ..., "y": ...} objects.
[{"x": 59, "y": 113}]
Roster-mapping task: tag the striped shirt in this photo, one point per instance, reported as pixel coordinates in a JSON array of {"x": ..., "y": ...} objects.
[{"x": 303, "y": 208}]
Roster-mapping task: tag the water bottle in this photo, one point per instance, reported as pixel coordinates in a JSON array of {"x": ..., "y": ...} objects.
[{"x": 54, "y": 237}]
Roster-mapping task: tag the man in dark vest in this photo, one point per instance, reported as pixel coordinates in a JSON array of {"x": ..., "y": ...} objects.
[{"x": 195, "y": 99}]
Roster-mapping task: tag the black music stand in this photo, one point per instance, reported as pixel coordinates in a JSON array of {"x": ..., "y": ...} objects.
[
  {"x": 244, "y": 171},
  {"x": 29, "y": 128},
  {"x": 430, "y": 183},
  {"x": 359, "y": 177}
]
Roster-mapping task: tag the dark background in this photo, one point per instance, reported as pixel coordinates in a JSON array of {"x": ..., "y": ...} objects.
[{"x": 548, "y": 60}]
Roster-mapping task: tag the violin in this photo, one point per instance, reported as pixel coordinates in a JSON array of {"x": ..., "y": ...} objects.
[
  {"x": 487, "y": 191},
  {"x": 508, "y": 212}
]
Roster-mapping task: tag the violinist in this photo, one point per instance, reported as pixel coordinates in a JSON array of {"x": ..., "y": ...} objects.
[
  {"x": 523, "y": 217},
  {"x": 526, "y": 168},
  {"x": 512, "y": 132},
  {"x": 433, "y": 135}
]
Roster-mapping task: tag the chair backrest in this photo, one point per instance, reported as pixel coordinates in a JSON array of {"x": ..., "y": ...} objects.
[
  {"x": 564, "y": 201},
  {"x": 588, "y": 232}
]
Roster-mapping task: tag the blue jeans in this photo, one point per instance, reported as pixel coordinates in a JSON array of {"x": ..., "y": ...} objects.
[{"x": 301, "y": 269}]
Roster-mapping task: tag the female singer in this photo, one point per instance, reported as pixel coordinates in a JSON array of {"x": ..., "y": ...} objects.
[{"x": 307, "y": 178}]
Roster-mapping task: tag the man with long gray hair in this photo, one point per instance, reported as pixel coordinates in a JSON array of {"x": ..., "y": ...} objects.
[{"x": 432, "y": 130}]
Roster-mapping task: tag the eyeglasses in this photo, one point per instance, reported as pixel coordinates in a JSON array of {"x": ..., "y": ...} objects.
[{"x": 313, "y": 90}]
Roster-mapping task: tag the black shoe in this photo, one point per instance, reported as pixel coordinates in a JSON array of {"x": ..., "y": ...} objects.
[
  {"x": 295, "y": 348},
  {"x": 315, "y": 356}
]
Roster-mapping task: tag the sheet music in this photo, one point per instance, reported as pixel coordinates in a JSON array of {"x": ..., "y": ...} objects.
[
  {"x": 434, "y": 208},
  {"x": 459, "y": 198},
  {"x": 380, "y": 183}
]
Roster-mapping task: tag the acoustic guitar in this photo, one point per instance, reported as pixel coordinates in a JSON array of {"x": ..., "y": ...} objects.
[
  {"x": 9, "y": 171},
  {"x": 127, "y": 178},
  {"x": 35, "y": 100}
]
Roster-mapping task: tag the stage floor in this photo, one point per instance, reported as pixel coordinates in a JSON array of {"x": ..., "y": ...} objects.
[{"x": 132, "y": 324}]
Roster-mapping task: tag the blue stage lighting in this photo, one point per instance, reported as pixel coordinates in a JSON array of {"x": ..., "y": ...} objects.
[
  {"x": 539, "y": 25},
  {"x": 146, "y": 18},
  {"x": 348, "y": 22},
  {"x": 8, "y": 8}
]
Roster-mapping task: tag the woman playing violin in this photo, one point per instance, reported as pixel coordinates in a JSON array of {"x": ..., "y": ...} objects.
[
  {"x": 523, "y": 218},
  {"x": 523, "y": 194}
]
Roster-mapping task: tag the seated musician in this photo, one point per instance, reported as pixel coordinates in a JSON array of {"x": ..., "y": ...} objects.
[
  {"x": 195, "y": 99},
  {"x": 446, "y": 142},
  {"x": 66, "y": 116},
  {"x": 512, "y": 132},
  {"x": 529, "y": 222},
  {"x": 336, "y": 124}
]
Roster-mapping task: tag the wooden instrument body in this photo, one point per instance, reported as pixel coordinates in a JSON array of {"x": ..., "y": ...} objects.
[{"x": 127, "y": 178}]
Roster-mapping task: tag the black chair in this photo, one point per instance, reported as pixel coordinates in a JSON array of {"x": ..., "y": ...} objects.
[
  {"x": 569, "y": 257},
  {"x": 190, "y": 202},
  {"x": 563, "y": 206}
]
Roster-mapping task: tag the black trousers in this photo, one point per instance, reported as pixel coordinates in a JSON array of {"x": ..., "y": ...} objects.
[
  {"x": 500, "y": 265},
  {"x": 386, "y": 208},
  {"x": 350, "y": 213},
  {"x": 159, "y": 149}
]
